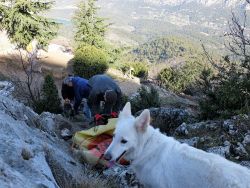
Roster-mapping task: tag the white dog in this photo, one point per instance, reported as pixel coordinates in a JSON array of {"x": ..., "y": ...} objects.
[{"x": 162, "y": 162}]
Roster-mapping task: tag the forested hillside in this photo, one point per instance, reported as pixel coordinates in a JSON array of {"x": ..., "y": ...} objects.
[
  {"x": 162, "y": 49},
  {"x": 137, "y": 21}
]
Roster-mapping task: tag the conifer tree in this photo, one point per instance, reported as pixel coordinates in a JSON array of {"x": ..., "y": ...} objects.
[
  {"x": 25, "y": 25},
  {"x": 50, "y": 101},
  {"x": 23, "y": 21},
  {"x": 90, "y": 29}
]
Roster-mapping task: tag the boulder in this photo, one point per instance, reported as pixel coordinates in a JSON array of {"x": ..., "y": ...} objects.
[
  {"x": 58, "y": 126},
  {"x": 191, "y": 141},
  {"x": 182, "y": 129},
  {"x": 32, "y": 154},
  {"x": 205, "y": 133},
  {"x": 246, "y": 142},
  {"x": 6, "y": 88},
  {"x": 21, "y": 150},
  {"x": 68, "y": 172},
  {"x": 240, "y": 152},
  {"x": 124, "y": 175},
  {"x": 228, "y": 138},
  {"x": 18, "y": 111},
  {"x": 224, "y": 151},
  {"x": 168, "y": 119}
]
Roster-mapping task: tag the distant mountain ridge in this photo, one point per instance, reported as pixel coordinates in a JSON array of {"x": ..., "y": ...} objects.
[
  {"x": 203, "y": 2},
  {"x": 137, "y": 21}
]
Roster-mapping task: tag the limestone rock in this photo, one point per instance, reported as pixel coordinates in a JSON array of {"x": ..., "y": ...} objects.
[
  {"x": 220, "y": 150},
  {"x": 168, "y": 119},
  {"x": 33, "y": 155}
]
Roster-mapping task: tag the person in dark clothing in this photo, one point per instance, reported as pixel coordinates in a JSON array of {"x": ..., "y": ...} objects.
[
  {"x": 67, "y": 92},
  {"x": 104, "y": 88},
  {"x": 75, "y": 88},
  {"x": 68, "y": 96}
]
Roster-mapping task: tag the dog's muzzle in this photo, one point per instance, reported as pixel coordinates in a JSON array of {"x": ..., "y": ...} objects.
[
  {"x": 118, "y": 159},
  {"x": 108, "y": 156}
]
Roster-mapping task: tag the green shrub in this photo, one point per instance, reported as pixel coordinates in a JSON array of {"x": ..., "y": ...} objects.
[
  {"x": 230, "y": 94},
  {"x": 205, "y": 78},
  {"x": 146, "y": 98},
  {"x": 139, "y": 69},
  {"x": 179, "y": 79},
  {"x": 230, "y": 97},
  {"x": 227, "y": 93},
  {"x": 209, "y": 109},
  {"x": 89, "y": 61},
  {"x": 50, "y": 101},
  {"x": 168, "y": 77},
  {"x": 125, "y": 67}
]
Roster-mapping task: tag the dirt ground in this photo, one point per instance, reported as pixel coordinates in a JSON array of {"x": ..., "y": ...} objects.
[
  {"x": 58, "y": 64},
  {"x": 54, "y": 61}
]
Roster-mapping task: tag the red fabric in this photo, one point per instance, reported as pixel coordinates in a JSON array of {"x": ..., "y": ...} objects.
[
  {"x": 103, "y": 119},
  {"x": 103, "y": 138},
  {"x": 114, "y": 114},
  {"x": 99, "y": 145},
  {"x": 98, "y": 117}
]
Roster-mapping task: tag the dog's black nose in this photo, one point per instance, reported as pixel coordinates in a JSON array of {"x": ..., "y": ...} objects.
[{"x": 107, "y": 156}]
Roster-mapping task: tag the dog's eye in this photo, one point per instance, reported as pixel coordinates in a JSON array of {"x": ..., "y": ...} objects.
[{"x": 123, "y": 141}]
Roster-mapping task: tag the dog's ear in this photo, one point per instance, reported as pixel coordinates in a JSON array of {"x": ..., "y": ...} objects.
[
  {"x": 142, "y": 121},
  {"x": 126, "y": 110}
]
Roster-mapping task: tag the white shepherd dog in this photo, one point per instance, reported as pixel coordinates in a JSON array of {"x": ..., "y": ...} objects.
[{"x": 162, "y": 162}]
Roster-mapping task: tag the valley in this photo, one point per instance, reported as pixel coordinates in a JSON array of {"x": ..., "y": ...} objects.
[{"x": 137, "y": 21}]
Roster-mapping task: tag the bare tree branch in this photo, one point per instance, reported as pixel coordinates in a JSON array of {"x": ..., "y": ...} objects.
[
  {"x": 28, "y": 80},
  {"x": 239, "y": 41},
  {"x": 211, "y": 60}
]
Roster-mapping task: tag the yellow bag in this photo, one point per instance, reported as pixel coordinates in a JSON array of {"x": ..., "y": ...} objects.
[
  {"x": 84, "y": 137},
  {"x": 93, "y": 142}
]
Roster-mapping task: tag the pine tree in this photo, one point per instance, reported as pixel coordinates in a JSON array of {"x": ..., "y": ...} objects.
[
  {"x": 90, "y": 29},
  {"x": 23, "y": 21},
  {"x": 50, "y": 101}
]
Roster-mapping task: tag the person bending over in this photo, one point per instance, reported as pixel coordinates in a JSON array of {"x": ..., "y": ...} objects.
[
  {"x": 74, "y": 89},
  {"x": 104, "y": 88}
]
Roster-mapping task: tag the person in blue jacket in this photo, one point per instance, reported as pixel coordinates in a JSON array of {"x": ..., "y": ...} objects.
[
  {"x": 74, "y": 89},
  {"x": 97, "y": 89}
]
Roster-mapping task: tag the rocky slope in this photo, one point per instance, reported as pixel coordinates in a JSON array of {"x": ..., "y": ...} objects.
[
  {"x": 33, "y": 153},
  {"x": 29, "y": 156},
  {"x": 229, "y": 138}
]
